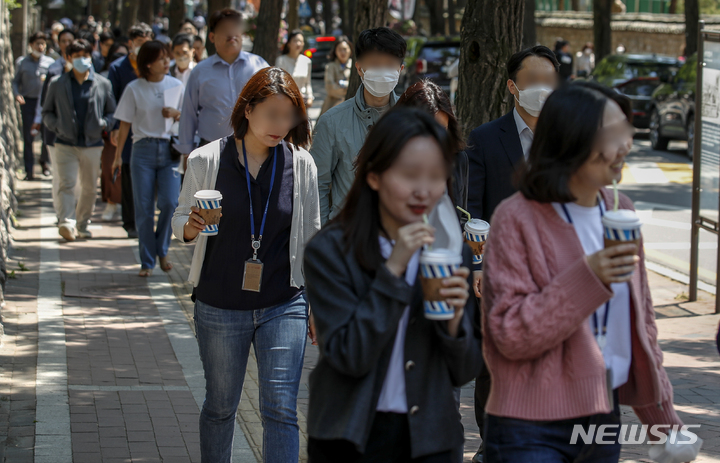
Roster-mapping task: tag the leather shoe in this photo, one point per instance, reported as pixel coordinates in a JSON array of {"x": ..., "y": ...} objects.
[{"x": 478, "y": 458}]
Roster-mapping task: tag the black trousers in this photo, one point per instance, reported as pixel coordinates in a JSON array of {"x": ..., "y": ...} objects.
[
  {"x": 128, "y": 206},
  {"x": 482, "y": 392},
  {"x": 27, "y": 112},
  {"x": 389, "y": 442}
]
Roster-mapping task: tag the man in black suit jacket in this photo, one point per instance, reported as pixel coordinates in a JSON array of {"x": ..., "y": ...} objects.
[{"x": 496, "y": 149}]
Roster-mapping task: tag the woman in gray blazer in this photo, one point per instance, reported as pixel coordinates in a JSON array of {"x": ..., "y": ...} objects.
[{"x": 382, "y": 390}]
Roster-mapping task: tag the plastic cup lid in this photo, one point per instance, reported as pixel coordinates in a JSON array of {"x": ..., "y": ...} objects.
[
  {"x": 208, "y": 195},
  {"x": 440, "y": 256},
  {"x": 621, "y": 219},
  {"x": 477, "y": 225}
]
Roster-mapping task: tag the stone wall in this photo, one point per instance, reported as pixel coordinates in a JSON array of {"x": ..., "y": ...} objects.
[
  {"x": 9, "y": 145},
  {"x": 639, "y": 33}
]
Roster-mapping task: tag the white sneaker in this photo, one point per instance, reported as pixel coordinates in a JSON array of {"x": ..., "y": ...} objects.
[
  {"x": 109, "y": 212},
  {"x": 67, "y": 232}
]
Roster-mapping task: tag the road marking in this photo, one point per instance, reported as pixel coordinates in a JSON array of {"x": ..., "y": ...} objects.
[
  {"x": 52, "y": 413},
  {"x": 647, "y": 172},
  {"x": 676, "y": 172}
]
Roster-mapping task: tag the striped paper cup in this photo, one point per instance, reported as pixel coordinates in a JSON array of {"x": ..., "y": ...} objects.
[
  {"x": 435, "y": 266},
  {"x": 476, "y": 233},
  {"x": 209, "y": 199}
]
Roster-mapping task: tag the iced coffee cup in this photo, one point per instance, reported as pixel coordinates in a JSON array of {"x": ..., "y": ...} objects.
[
  {"x": 621, "y": 227},
  {"x": 476, "y": 232},
  {"x": 435, "y": 266},
  {"x": 208, "y": 201}
]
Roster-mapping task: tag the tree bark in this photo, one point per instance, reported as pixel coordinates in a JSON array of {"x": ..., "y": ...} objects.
[
  {"x": 491, "y": 32},
  {"x": 328, "y": 16},
  {"x": 561, "y": 5},
  {"x": 349, "y": 27},
  {"x": 602, "y": 32},
  {"x": 370, "y": 14},
  {"x": 146, "y": 11},
  {"x": 673, "y": 7},
  {"x": 437, "y": 22},
  {"x": 128, "y": 14},
  {"x": 268, "y": 27},
  {"x": 292, "y": 15},
  {"x": 313, "y": 8},
  {"x": 529, "y": 28},
  {"x": 342, "y": 13},
  {"x": 176, "y": 14},
  {"x": 692, "y": 16},
  {"x": 575, "y": 5},
  {"x": 452, "y": 27}
]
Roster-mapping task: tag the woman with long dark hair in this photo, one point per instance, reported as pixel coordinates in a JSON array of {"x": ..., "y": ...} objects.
[
  {"x": 382, "y": 390},
  {"x": 428, "y": 96},
  {"x": 569, "y": 323},
  {"x": 297, "y": 65},
  {"x": 337, "y": 73},
  {"x": 152, "y": 167},
  {"x": 270, "y": 209}
]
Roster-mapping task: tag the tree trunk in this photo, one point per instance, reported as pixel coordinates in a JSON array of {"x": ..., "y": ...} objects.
[
  {"x": 313, "y": 8},
  {"x": 349, "y": 27},
  {"x": 370, "y": 14},
  {"x": 692, "y": 16},
  {"x": 601, "y": 28},
  {"x": 673, "y": 7},
  {"x": 176, "y": 14},
  {"x": 213, "y": 6},
  {"x": 146, "y": 12},
  {"x": 128, "y": 14},
  {"x": 452, "y": 27},
  {"x": 529, "y": 31},
  {"x": 268, "y": 27},
  {"x": 292, "y": 15},
  {"x": 575, "y": 5},
  {"x": 491, "y": 32},
  {"x": 342, "y": 13},
  {"x": 328, "y": 16},
  {"x": 437, "y": 22},
  {"x": 561, "y": 5}
]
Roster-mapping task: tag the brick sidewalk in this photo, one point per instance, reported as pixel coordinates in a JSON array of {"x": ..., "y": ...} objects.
[{"x": 114, "y": 374}]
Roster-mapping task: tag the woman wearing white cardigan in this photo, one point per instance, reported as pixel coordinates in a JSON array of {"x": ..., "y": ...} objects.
[{"x": 270, "y": 209}]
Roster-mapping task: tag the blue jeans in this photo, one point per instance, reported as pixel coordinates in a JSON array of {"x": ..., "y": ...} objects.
[
  {"x": 509, "y": 440},
  {"x": 224, "y": 337},
  {"x": 151, "y": 169}
]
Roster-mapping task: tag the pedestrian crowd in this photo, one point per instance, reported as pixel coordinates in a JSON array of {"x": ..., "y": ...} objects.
[{"x": 369, "y": 234}]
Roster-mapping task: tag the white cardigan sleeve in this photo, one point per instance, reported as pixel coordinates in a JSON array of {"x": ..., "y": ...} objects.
[{"x": 194, "y": 177}]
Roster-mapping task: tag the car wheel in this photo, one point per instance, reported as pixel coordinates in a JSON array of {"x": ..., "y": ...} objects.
[
  {"x": 657, "y": 141},
  {"x": 690, "y": 130}
]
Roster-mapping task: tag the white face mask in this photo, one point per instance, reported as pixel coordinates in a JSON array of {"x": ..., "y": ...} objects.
[
  {"x": 36, "y": 54},
  {"x": 380, "y": 82},
  {"x": 533, "y": 98},
  {"x": 182, "y": 61}
]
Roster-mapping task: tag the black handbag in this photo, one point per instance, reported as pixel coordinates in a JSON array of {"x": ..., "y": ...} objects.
[{"x": 175, "y": 155}]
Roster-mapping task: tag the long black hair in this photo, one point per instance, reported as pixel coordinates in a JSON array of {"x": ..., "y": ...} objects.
[
  {"x": 360, "y": 217},
  {"x": 564, "y": 138}
]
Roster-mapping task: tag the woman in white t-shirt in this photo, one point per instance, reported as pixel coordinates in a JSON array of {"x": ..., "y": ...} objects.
[
  {"x": 149, "y": 104},
  {"x": 297, "y": 65}
]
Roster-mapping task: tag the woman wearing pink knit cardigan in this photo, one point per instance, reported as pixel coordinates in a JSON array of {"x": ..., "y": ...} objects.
[{"x": 550, "y": 285}]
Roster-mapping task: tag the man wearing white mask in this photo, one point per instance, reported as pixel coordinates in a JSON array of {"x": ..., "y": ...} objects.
[
  {"x": 496, "y": 148},
  {"x": 340, "y": 132}
]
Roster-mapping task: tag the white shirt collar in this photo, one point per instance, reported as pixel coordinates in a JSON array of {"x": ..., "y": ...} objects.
[
  {"x": 524, "y": 132},
  {"x": 520, "y": 122}
]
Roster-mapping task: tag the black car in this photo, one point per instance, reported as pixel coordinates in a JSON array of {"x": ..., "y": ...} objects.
[
  {"x": 672, "y": 109},
  {"x": 635, "y": 76},
  {"x": 433, "y": 60},
  {"x": 318, "y": 49}
]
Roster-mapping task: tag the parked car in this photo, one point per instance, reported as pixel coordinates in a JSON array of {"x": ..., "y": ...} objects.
[
  {"x": 317, "y": 49},
  {"x": 635, "y": 76},
  {"x": 433, "y": 58},
  {"x": 672, "y": 108}
]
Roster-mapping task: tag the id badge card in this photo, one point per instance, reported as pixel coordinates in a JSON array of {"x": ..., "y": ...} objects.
[
  {"x": 252, "y": 276},
  {"x": 609, "y": 384}
]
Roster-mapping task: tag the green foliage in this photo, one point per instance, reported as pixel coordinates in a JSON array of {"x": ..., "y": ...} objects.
[
  {"x": 12, "y": 4},
  {"x": 706, "y": 6}
]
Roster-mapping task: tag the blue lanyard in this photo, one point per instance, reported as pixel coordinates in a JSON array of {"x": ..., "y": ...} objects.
[
  {"x": 601, "y": 337},
  {"x": 256, "y": 242}
]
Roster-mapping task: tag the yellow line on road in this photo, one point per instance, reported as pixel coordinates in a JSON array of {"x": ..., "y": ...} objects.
[
  {"x": 676, "y": 172},
  {"x": 627, "y": 177}
]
